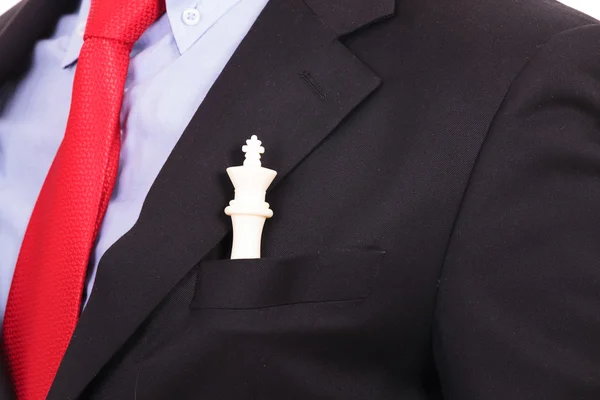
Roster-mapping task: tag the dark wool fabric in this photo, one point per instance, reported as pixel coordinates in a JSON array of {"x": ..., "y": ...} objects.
[{"x": 436, "y": 229}]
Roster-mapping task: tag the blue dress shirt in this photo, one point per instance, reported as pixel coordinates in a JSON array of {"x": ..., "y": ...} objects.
[{"x": 173, "y": 66}]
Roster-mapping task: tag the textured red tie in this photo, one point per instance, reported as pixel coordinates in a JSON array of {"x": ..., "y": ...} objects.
[{"x": 46, "y": 292}]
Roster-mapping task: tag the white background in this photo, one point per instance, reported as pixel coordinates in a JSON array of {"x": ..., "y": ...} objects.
[{"x": 591, "y": 7}]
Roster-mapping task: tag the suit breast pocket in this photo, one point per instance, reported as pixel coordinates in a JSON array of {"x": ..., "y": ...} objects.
[{"x": 269, "y": 282}]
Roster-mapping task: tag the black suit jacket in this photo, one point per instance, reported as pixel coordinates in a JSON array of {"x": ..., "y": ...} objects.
[{"x": 437, "y": 214}]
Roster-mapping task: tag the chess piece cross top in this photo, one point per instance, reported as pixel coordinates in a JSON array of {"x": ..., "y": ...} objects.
[{"x": 253, "y": 150}]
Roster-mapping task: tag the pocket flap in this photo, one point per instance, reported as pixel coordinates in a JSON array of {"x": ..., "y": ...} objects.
[{"x": 267, "y": 282}]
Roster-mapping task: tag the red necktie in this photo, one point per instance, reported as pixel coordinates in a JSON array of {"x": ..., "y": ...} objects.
[{"x": 45, "y": 296}]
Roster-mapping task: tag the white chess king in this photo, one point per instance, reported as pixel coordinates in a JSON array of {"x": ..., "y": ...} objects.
[{"x": 248, "y": 209}]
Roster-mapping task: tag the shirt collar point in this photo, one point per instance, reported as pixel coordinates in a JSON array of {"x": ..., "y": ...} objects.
[
  {"x": 182, "y": 47},
  {"x": 68, "y": 62}
]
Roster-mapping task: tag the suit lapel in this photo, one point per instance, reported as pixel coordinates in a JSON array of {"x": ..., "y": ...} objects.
[
  {"x": 347, "y": 16},
  {"x": 6, "y": 390},
  {"x": 291, "y": 82}
]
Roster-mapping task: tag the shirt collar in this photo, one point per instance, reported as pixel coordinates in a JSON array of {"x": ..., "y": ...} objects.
[{"x": 189, "y": 20}]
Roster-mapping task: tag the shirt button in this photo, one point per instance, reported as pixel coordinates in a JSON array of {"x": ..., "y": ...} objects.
[{"x": 191, "y": 16}]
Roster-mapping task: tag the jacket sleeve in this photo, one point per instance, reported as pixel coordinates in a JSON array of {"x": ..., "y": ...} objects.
[{"x": 518, "y": 307}]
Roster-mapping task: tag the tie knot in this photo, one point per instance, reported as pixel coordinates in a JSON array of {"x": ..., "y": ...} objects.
[{"x": 122, "y": 20}]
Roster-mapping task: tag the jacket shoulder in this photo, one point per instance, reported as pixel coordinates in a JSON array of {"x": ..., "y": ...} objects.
[
  {"x": 520, "y": 23},
  {"x": 7, "y": 16},
  {"x": 486, "y": 41}
]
